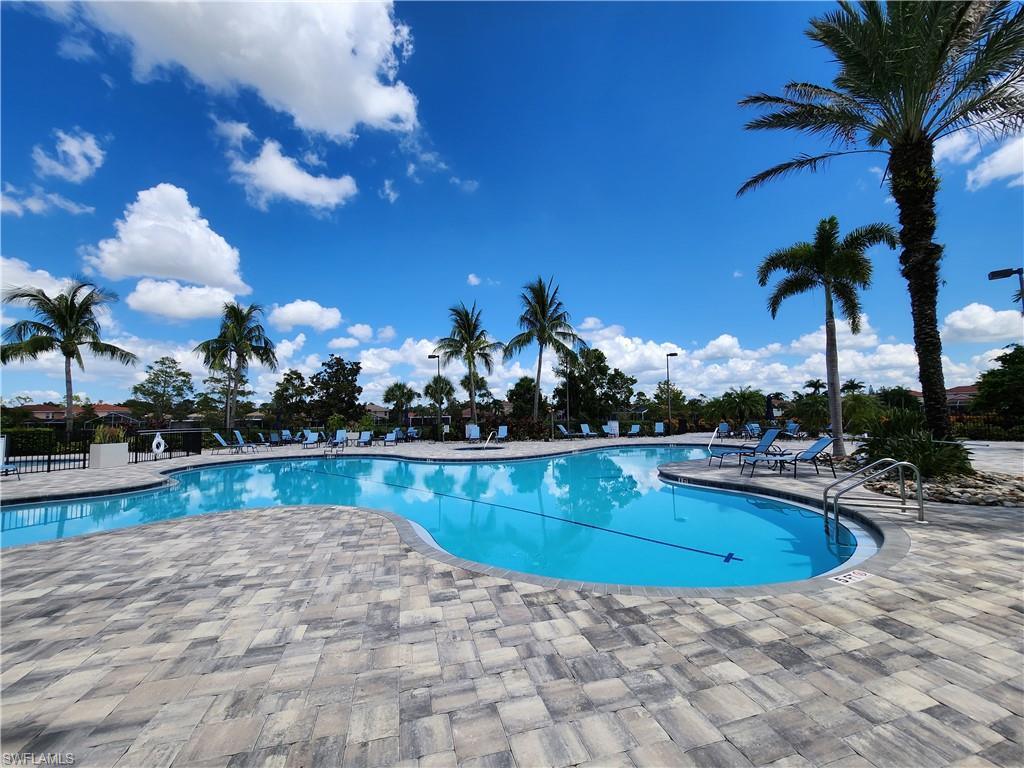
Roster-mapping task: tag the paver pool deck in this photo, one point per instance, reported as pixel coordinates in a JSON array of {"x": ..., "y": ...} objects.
[{"x": 302, "y": 636}]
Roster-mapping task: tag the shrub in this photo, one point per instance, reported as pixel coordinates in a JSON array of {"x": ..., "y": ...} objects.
[
  {"x": 107, "y": 434},
  {"x": 334, "y": 423},
  {"x": 902, "y": 435}
]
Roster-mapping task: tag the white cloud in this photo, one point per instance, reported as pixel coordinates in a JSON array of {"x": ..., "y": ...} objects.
[
  {"x": 960, "y": 147},
  {"x": 17, "y": 202},
  {"x": 980, "y": 323},
  {"x": 16, "y": 272},
  {"x": 35, "y": 396},
  {"x": 385, "y": 333},
  {"x": 737, "y": 274},
  {"x": 1007, "y": 162},
  {"x": 78, "y": 157},
  {"x": 169, "y": 298},
  {"x": 304, "y": 312},
  {"x": 75, "y": 48},
  {"x": 162, "y": 235},
  {"x": 468, "y": 186},
  {"x": 232, "y": 131},
  {"x": 472, "y": 279},
  {"x": 344, "y": 77},
  {"x": 388, "y": 191},
  {"x": 815, "y": 341},
  {"x": 272, "y": 175},
  {"x": 361, "y": 331},
  {"x": 343, "y": 342},
  {"x": 312, "y": 159},
  {"x": 285, "y": 349}
]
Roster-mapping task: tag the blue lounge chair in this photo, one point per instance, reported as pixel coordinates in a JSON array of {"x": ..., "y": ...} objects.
[
  {"x": 753, "y": 429},
  {"x": 812, "y": 455},
  {"x": 565, "y": 433},
  {"x": 391, "y": 437},
  {"x": 473, "y": 433},
  {"x": 609, "y": 430},
  {"x": 224, "y": 445},
  {"x": 659, "y": 429},
  {"x": 5, "y": 466},
  {"x": 337, "y": 443},
  {"x": 634, "y": 431},
  {"x": 724, "y": 430},
  {"x": 312, "y": 439},
  {"x": 764, "y": 446},
  {"x": 585, "y": 431},
  {"x": 502, "y": 434},
  {"x": 792, "y": 430},
  {"x": 412, "y": 434},
  {"x": 286, "y": 436},
  {"x": 241, "y": 444},
  {"x": 365, "y": 439},
  {"x": 275, "y": 439}
]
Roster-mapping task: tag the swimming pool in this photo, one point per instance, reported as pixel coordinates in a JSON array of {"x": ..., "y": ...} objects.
[{"x": 593, "y": 516}]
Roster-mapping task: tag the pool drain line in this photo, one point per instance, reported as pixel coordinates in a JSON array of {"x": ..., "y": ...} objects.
[{"x": 726, "y": 558}]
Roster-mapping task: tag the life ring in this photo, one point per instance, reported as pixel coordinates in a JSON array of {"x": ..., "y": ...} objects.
[{"x": 159, "y": 446}]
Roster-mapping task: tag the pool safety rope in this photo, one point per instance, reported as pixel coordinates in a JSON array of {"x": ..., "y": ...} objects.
[{"x": 726, "y": 558}]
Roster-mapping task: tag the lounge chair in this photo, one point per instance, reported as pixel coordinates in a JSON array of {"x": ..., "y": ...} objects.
[
  {"x": 241, "y": 444},
  {"x": 391, "y": 437},
  {"x": 764, "y": 446},
  {"x": 365, "y": 439},
  {"x": 634, "y": 431},
  {"x": 609, "y": 430},
  {"x": 337, "y": 443},
  {"x": 565, "y": 432},
  {"x": 585, "y": 431},
  {"x": 753, "y": 429},
  {"x": 412, "y": 434},
  {"x": 312, "y": 439},
  {"x": 793, "y": 431},
  {"x": 659, "y": 429},
  {"x": 724, "y": 430},
  {"x": 223, "y": 445},
  {"x": 286, "y": 436},
  {"x": 473, "y": 433},
  {"x": 6, "y": 467},
  {"x": 812, "y": 455},
  {"x": 275, "y": 439},
  {"x": 502, "y": 434}
]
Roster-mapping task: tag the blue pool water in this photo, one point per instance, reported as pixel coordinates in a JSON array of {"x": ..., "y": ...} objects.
[{"x": 602, "y": 516}]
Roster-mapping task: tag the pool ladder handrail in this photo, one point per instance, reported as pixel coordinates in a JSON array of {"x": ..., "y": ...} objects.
[
  {"x": 493, "y": 433},
  {"x": 890, "y": 465}
]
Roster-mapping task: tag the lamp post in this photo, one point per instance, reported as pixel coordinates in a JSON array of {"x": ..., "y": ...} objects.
[
  {"x": 668, "y": 388},
  {"x": 999, "y": 274},
  {"x": 438, "y": 382}
]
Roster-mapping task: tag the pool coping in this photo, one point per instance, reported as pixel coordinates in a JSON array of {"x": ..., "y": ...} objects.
[{"x": 893, "y": 546}]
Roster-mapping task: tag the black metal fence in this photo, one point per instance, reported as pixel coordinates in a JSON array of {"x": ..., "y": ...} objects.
[
  {"x": 987, "y": 426},
  {"x": 144, "y": 445},
  {"x": 48, "y": 450}
]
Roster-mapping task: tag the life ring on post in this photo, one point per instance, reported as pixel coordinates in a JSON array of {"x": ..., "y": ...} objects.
[{"x": 159, "y": 446}]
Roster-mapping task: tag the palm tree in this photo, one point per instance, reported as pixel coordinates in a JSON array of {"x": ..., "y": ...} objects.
[
  {"x": 439, "y": 390},
  {"x": 64, "y": 323},
  {"x": 840, "y": 268},
  {"x": 241, "y": 341},
  {"x": 545, "y": 321},
  {"x": 852, "y": 387},
  {"x": 468, "y": 341},
  {"x": 402, "y": 395},
  {"x": 743, "y": 404},
  {"x": 909, "y": 74},
  {"x": 815, "y": 385}
]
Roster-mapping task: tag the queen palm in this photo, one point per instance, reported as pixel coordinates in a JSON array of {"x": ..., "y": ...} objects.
[
  {"x": 64, "y": 323},
  {"x": 241, "y": 341},
  {"x": 439, "y": 390},
  {"x": 544, "y": 321},
  {"x": 468, "y": 341},
  {"x": 840, "y": 268},
  {"x": 815, "y": 385},
  {"x": 910, "y": 74},
  {"x": 402, "y": 395}
]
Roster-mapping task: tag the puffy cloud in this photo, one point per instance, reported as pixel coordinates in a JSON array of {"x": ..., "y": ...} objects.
[
  {"x": 20, "y": 273},
  {"x": 233, "y": 132},
  {"x": 1007, "y": 162},
  {"x": 75, "y": 49},
  {"x": 78, "y": 157},
  {"x": 343, "y": 342},
  {"x": 169, "y": 298},
  {"x": 285, "y": 349},
  {"x": 979, "y": 323},
  {"x": 345, "y": 77},
  {"x": 35, "y": 396},
  {"x": 472, "y": 279},
  {"x": 162, "y": 235},
  {"x": 960, "y": 147},
  {"x": 361, "y": 331},
  {"x": 304, "y": 312},
  {"x": 272, "y": 175},
  {"x": 469, "y": 186},
  {"x": 385, "y": 333},
  {"x": 388, "y": 191},
  {"x": 17, "y": 202},
  {"x": 815, "y": 341}
]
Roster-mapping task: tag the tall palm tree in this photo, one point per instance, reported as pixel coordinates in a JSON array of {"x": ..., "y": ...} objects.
[
  {"x": 840, "y": 268},
  {"x": 910, "y": 73},
  {"x": 402, "y": 395},
  {"x": 64, "y": 323},
  {"x": 468, "y": 341},
  {"x": 815, "y": 385},
  {"x": 544, "y": 320},
  {"x": 852, "y": 387},
  {"x": 241, "y": 341}
]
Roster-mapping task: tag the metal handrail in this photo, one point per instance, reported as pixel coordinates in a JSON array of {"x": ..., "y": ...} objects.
[{"x": 893, "y": 464}]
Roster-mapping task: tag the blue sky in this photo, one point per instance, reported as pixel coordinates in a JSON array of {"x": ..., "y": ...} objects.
[{"x": 453, "y": 152}]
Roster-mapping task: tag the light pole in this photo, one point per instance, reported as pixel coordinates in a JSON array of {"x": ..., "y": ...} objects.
[
  {"x": 999, "y": 274},
  {"x": 437, "y": 382},
  {"x": 668, "y": 388}
]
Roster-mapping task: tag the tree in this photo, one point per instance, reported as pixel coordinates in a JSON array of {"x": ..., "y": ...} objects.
[
  {"x": 439, "y": 390},
  {"x": 336, "y": 391},
  {"x": 476, "y": 383},
  {"x": 815, "y": 385},
  {"x": 812, "y": 411},
  {"x": 661, "y": 399},
  {"x": 218, "y": 386},
  {"x": 617, "y": 392},
  {"x": 840, "y": 269},
  {"x": 544, "y": 321},
  {"x": 290, "y": 399},
  {"x": 468, "y": 341},
  {"x": 898, "y": 397},
  {"x": 402, "y": 395},
  {"x": 521, "y": 396},
  {"x": 744, "y": 404},
  {"x": 910, "y": 73},
  {"x": 241, "y": 341},
  {"x": 166, "y": 388},
  {"x": 64, "y": 323},
  {"x": 1000, "y": 390},
  {"x": 852, "y": 387}
]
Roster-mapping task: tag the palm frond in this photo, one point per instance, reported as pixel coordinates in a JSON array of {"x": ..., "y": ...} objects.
[
  {"x": 790, "y": 285},
  {"x": 799, "y": 163},
  {"x": 112, "y": 352},
  {"x": 29, "y": 349}
]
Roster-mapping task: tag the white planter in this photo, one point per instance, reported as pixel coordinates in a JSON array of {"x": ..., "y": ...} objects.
[{"x": 105, "y": 455}]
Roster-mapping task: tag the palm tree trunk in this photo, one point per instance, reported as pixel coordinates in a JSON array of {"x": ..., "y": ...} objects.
[
  {"x": 536, "y": 386},
  {"x": 835, "y": 401},
  {"x": 472, "y": 392},
  {"x": 69, "y": 411},
  {"x": 913, "y": 187}
]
